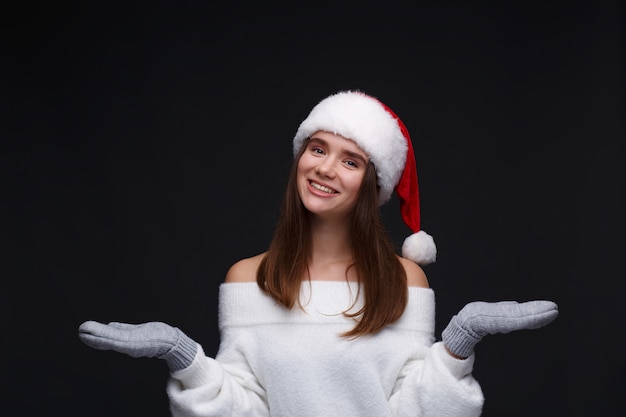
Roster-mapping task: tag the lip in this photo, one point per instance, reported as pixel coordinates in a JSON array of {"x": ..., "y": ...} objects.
[{"x": 319, "y": 192}]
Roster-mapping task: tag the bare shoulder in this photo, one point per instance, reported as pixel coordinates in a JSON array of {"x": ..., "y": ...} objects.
[
  {"x": 244, "y": 270},
  {"x": 415, "y": 275}
]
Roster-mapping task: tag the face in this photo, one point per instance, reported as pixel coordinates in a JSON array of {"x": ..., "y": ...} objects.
[{"x": 330, "y": 172}]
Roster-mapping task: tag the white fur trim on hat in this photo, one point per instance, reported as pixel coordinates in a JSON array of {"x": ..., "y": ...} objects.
[{"x": 364, "y": 120}]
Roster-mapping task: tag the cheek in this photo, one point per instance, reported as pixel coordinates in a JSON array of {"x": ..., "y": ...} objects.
[
  {"x": 356, "y": 181},
  {"x": 302, "y": 169},
  {"x": 301, "y": 174},
  {"x": 306, "y": 162}
]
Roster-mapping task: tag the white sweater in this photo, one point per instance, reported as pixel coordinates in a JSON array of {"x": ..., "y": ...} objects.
[{"x": 291, "y": 363}]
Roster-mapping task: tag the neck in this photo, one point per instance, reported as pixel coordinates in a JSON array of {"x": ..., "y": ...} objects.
[
  {"x": 331, "y": 240},
  {"x": 331, "y": 251}
]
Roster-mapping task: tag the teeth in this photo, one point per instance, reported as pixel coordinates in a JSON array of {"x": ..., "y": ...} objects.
[{"x": 322, "y": 188}]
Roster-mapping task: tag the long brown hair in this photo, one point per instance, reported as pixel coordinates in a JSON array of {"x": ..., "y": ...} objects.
[{"x": 382, "y": 276}]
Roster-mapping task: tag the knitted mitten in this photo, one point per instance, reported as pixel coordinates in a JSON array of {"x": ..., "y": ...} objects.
[
  {"x": 478, "y": 319},
  {"x": 151, "y": 340}
]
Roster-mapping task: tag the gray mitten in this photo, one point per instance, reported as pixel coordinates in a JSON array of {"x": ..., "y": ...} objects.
[
  {"x": 478, "y": 319},
  {"x": 150, "y": 340}
]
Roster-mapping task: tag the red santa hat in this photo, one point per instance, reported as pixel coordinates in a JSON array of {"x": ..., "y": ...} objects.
[{"x": 382, "y": 135}]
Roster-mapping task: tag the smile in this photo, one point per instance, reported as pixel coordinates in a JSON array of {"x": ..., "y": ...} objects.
[{"x": 322, "y": 188}]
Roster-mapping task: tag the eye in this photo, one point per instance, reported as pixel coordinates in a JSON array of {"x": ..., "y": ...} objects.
[
  {"x": 317, "y": 149},
  {"x": 351, "y": 163}
]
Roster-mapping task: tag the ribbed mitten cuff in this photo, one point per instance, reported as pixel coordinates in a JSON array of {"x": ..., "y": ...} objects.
[
  {"x": 458, "y": 340},
  {"x": 182, "y": 354}
]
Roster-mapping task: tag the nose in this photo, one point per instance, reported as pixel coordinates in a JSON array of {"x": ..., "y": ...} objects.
[{"x": 326, "y": 168}]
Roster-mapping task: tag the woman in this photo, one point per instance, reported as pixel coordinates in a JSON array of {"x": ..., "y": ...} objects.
[{"x": 330, "y": 321}]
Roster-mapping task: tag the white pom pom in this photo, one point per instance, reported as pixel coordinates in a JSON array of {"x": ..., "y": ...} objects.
[{"x": 420, "y": 248}]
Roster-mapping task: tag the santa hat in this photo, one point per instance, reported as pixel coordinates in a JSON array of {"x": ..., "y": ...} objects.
[{"x": 382, "y": 135}]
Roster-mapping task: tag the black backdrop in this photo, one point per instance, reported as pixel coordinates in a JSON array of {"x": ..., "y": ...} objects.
[{"x": 145, "y": 147}]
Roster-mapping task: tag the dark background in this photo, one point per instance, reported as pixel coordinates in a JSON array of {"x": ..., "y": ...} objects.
[{"x": 145, "y": 149}]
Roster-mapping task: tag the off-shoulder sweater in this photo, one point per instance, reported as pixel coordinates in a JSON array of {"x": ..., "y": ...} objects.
[{"x": 280, "y": 362}]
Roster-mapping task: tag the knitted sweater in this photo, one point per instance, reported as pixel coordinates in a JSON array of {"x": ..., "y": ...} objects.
[{"x": 292, "y": 363}]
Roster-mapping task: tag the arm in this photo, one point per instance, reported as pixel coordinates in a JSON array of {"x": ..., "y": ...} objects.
[
  {"x": 437, "y": 381},
  {"x": 438, "y": 385},
  {"x": 432, "y": 383},
  {"x": 199, "y": 386},
  {"x": 221, "y": 387}
]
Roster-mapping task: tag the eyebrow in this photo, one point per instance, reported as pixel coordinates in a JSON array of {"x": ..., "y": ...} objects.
[{"x": 351, "y": 154}]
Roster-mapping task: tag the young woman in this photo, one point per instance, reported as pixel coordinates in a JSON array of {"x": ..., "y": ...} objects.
[{"x": 330, "y": 321}]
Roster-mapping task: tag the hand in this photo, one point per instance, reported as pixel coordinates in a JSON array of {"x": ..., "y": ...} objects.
[
  {"x": 151, "y": 340},
  {"x": 478, "y": 319}
]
